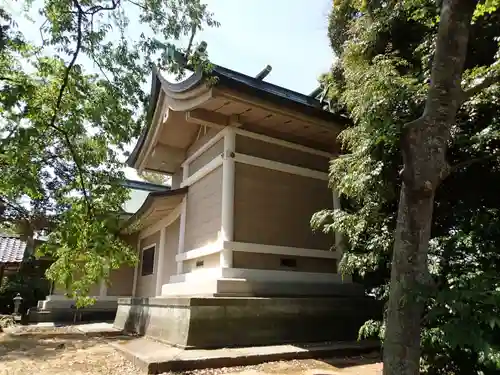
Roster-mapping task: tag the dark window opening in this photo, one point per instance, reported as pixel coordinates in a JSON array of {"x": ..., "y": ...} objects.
[
  {"x": 148, "y": 261},
  {"x": 288, "y": 262},
  {"x": 200, "y": 263}
]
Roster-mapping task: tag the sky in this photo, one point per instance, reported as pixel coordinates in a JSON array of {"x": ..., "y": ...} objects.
[{"x": 289, "y": 35}]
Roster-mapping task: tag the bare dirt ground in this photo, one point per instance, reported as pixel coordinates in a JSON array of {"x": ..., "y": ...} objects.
[{"x": 65, "y": 351}]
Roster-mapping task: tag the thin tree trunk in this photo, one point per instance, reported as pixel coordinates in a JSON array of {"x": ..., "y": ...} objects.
[{"x": 424, "y": 143}]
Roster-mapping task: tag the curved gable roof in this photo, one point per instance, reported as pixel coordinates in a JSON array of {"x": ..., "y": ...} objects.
[{"x": 241, "y": 82}]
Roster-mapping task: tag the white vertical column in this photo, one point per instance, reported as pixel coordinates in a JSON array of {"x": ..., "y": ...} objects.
[
  {"x": 185, "y": 173},
  {"x": 227, "y": 217},
  {"x": 337, "y": 235},
  {"x": 103, "y": 289},
  {"x": 182, "y": 231},
  {"x": 161, "y": 260},
  {"x": 339, "y": 240},
  {"x": 136, "y": 269}
]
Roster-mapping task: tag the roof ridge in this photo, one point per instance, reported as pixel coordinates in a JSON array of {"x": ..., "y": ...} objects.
[{"x": 3, "y": 234}]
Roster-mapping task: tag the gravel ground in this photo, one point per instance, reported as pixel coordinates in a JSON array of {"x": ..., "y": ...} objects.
[{"x": 65, "y": 351}]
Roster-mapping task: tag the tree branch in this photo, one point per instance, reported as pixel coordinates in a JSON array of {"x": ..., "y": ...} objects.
[
  {"x": 8, "y": 79},
  {"x": 97, "y": 8},
  {"x": 466, "y": 163},
  {"x": 193, "y": 32},
  {"x": 81, "y": 15},
  {"x": 484, "y": 84},
  {"x": 64, "y": 85},
  {"x": 23, "y": 212},
  {"x": 138, "y": 5}
]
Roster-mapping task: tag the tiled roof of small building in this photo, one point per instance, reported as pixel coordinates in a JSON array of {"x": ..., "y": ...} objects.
[{"x": 12, "y": 248}]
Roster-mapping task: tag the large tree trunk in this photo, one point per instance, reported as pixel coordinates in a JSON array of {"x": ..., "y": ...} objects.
[{"x": 424, "y": 143}]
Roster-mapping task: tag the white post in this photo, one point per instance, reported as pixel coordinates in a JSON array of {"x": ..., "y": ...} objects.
[
  {"x": 103, "y": 289},
  {"x": 185, "y": 172},
  {"x": 161, "y": 260},
  {"x": 227, "y": 217},
  {"x": 339, "y": 240},
  {"x": 182, "y": 231},
  {"x": 136, "y": 269},
  {"x": 338, "y": 236}
]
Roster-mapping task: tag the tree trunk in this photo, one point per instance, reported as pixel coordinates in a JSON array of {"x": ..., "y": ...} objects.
[{"x": 424, "y": 143}]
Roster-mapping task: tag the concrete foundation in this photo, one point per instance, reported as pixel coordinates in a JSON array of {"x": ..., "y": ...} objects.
[
  {"x": 59, "y": 309},
  {"x": 55, "y": 302},
  {"x": 218, "y": 322},
  {"x": 67, "y": 315},
  {"x": 153, "y": 357}
]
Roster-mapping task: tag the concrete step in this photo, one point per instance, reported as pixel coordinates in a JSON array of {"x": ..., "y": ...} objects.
[
  {"x": 99, "y": 329},
  {"x": 155, "y": 357}
]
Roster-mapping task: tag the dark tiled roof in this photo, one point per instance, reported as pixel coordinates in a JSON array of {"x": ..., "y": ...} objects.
[
  {"x": 144, "y": 185},
  {"x": 12, "y": 248}
]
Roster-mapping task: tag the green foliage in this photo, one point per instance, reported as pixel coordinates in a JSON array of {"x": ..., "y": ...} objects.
[
  {"x": 385, "y": 51},
  {"x": 68, "y": 107},
  {"x": 154, "y": 178},
  {"x": 29, "y": 282}
]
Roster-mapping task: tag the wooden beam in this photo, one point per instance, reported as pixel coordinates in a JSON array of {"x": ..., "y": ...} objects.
[
  {"x": 207, "y": 118},
  {"x": 259, "y": 103}
]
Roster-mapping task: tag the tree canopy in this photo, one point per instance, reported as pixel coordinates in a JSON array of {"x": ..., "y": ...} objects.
[
  {"x": 69, "y": 105},
  {"x": 382, "y": 77}
]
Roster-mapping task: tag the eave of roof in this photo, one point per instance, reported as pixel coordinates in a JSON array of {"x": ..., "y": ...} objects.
[
  {"x": 144, "y": 185},
  {"x": 243, "y": 83},
  {"x": 148, "y": 202}
]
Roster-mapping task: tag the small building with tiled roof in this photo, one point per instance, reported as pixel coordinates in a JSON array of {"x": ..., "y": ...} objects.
[{"x": 13, "y": 251}]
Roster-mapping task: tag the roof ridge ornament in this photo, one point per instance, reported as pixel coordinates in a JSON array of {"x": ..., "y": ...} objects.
[
  {"x": 264, "y": 73},
  {"x": 171, "y": 53}
]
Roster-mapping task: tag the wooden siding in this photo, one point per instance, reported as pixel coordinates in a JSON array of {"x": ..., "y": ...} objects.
[
  {"x": 275, "y": 208},
  {"x": 273, "y": 262},
  {"x": 121, "y": 281},
  {"x": 202, "y": 139},
  {"x": 206, "y": 157},
  {"x": 203, "y": 212}
]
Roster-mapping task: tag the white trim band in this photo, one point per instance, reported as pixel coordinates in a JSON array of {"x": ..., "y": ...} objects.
[
  {"x": 212, "y": 141},
  {"x": 199, "y": 252},
  {"x": 203, "y": 171},
  {"x": 258, "y": 275},
  {"x": 282, "y": 167},
  {"x": 257, "y": 136},
  {"x": 281, "y": 250},
  {"x": 218, "y": 246},
  {"x": 281, "y": 142}
]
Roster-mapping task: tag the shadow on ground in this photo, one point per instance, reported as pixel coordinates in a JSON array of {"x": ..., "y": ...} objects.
[
  {"x": 352, "y": 362},
  {"x": 46, "y": 345}
]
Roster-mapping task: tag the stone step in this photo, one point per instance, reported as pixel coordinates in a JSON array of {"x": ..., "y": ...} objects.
[{"x": 155, "y": 357}]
